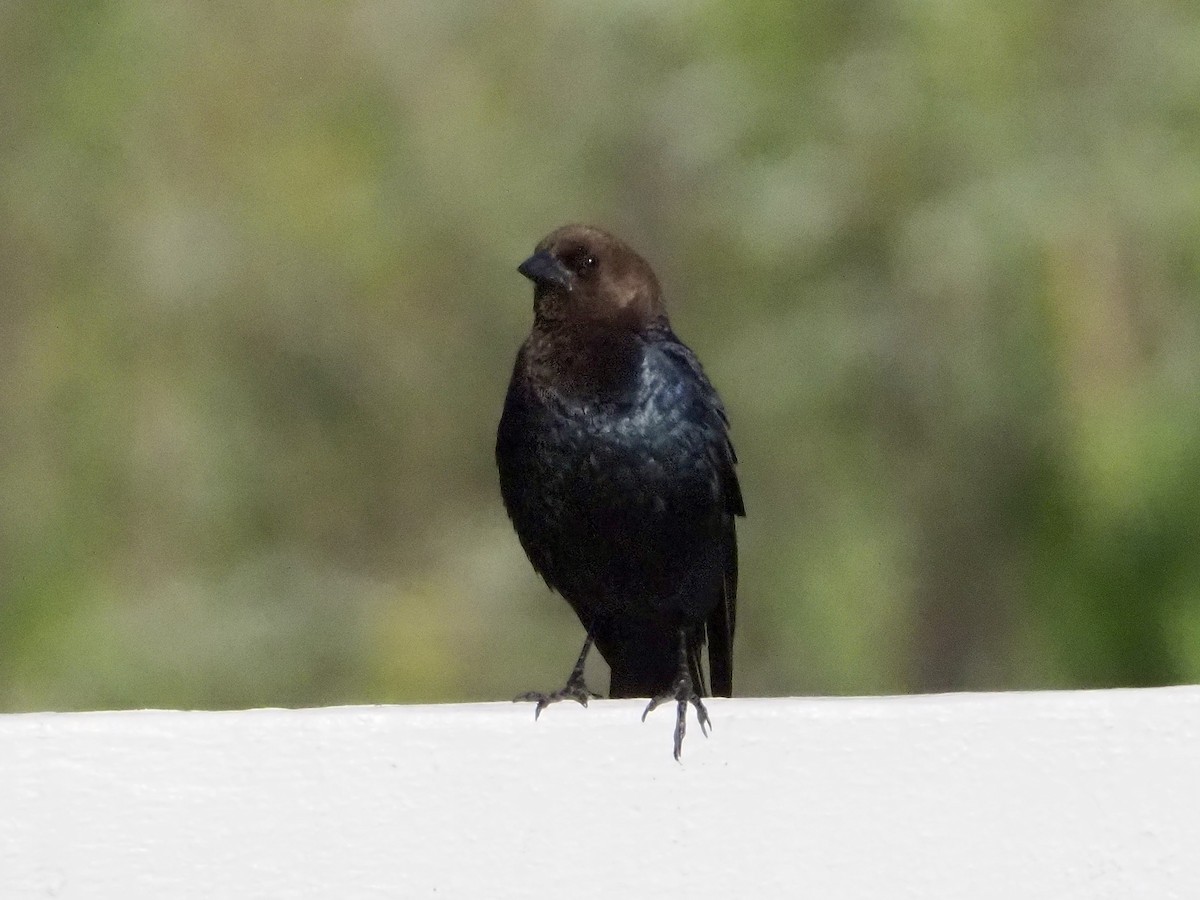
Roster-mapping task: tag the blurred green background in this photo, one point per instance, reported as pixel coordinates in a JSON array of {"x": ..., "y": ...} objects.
[{"x": 259, "y": 308}]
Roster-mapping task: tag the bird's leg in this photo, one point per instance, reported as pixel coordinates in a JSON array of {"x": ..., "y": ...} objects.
[
  {"x": 683, "y": 691},
  {"x": 575, "y": 688}
]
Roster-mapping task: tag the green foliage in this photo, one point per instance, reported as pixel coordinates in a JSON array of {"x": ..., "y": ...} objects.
[{"x": 259, "y": 308}]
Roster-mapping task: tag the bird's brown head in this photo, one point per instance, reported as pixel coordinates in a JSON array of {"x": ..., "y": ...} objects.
[{"x": 582, "y": 275}]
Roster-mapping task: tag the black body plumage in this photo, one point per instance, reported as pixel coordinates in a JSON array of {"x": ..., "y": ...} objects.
[{"x": 617, "y": 471}]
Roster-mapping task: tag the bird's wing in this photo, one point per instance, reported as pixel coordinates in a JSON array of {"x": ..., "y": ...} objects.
[{"x": 719, "y": 626}]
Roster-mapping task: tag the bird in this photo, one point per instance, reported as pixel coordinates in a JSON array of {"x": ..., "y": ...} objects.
[{"x": 617, "y": 471}]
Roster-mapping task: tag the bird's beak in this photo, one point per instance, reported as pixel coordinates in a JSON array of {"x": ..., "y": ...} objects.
[{"x": 546, "y": 271}]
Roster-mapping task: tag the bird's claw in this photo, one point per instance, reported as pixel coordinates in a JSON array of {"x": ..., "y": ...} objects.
[
  {"x": 683, "y": 693},
  {"x": 701, "y": 714},
  {"x": 573, "y": 690}
]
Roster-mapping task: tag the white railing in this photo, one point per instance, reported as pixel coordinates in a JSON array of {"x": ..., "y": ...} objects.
[{"x": 1092, "y": 794}]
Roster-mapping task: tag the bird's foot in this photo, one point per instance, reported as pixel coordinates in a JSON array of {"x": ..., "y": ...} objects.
[
  {"x": 575, "y": 689},
  {"x": 682, "y": 692}
]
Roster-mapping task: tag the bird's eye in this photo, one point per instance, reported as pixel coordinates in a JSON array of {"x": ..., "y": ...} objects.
[{"x": 581, "y": 262}]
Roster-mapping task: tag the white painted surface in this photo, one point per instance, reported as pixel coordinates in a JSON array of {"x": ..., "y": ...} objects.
[{"x": 1037, "y": 795}]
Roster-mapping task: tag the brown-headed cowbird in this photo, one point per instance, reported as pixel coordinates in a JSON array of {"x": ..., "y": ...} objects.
[{"x": 618, "y": 474}]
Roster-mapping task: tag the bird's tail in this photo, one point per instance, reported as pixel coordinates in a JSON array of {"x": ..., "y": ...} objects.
[{"x": 718, "y": 628}]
